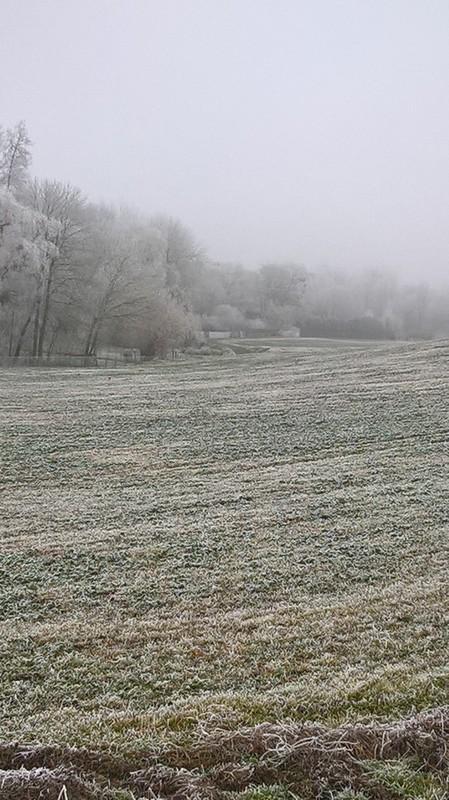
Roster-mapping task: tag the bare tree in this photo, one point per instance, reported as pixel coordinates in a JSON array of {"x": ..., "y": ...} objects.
[{"x": 117, "y": 286}]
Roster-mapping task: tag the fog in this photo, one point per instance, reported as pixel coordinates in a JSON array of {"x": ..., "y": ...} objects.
[{"x": 309, "y": 132}]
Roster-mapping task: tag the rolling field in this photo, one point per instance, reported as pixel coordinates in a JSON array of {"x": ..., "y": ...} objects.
[{"x": 199, "y": 560}]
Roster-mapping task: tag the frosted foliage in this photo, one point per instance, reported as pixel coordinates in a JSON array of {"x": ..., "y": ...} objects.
[{"x": 15, "y": 156}]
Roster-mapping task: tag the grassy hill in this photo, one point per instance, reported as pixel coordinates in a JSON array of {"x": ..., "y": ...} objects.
[{"x": 190, "y": 551}]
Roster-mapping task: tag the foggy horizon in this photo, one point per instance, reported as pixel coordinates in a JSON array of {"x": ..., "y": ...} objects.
[{"x": 276, "y": 132}]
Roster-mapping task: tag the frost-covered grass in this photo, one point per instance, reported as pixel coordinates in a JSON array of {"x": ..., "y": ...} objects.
[{"x": 222, "y": 542}]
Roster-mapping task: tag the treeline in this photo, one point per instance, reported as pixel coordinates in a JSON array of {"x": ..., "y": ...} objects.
[{"x": 75, "y": 275}]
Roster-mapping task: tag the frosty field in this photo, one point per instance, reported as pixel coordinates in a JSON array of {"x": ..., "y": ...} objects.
[{"x": 191, "y": 549}]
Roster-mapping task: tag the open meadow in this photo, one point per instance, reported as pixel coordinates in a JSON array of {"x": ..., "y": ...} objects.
[{"x": 208, "y": 567}]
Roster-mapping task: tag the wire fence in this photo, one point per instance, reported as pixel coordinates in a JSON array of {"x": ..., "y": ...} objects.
[{"x": 62, "y": 360}]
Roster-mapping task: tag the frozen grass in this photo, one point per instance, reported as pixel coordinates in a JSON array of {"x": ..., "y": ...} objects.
[{"x": 219, "y": 543}]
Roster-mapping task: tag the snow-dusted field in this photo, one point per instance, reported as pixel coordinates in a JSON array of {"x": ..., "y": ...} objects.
[{"x": 222, "y": 542}]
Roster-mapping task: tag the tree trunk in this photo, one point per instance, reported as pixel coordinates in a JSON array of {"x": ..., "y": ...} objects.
[
  {"x": 36, "y": 326},
  {"x": 93, "y": 345},
  {"x": 22, "y": 333},
  {"x": 52, "y": 341},
  {"x": 45, "y": 311},
  {"x": 91, "y": 337},
  {"x": 11, "y": 335}
]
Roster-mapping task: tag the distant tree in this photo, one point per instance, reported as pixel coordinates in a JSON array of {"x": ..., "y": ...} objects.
[
  {"x": 64, "y": 210},
  {"x": 122, "y": 268},
  {"x": 224, "y": 318},
  {"x": 242, "y": 287},
  {"x": 333, "y": 294},
  {"x": 282, "y": 289},
  {"x": 412, "y": 309},
  {"x": 168, "y": 327},
  {"x": 180, "y": 258},
  {"x": 26, "y": 243},
  {"x": 15, "y": 157},
  {"x": 208, "y": 290}
]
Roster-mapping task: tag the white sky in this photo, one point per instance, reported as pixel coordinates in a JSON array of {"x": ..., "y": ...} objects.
[{"x": 308, "y": 130}]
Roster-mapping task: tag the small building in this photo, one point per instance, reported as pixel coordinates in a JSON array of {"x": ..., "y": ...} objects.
[
  {"x": 261, "y": 333},
  {"x": 220, "y": 334}
]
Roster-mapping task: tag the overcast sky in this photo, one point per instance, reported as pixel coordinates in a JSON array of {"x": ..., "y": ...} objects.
[{"x": 307, "y": 130}]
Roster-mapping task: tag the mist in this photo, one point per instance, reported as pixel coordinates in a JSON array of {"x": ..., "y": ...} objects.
[
  {"x": 301, "y": 132},
  {"x": 224, "y": 405}
]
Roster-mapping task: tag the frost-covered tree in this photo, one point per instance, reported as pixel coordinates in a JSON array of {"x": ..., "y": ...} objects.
[
  {"x": 64, "y": 210},
  {"x": 178, "y": 256},
  {"x": 122, "y": 263},
  {"x": 27, "y": 243},
  {"x": 15, "y": 157}
]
